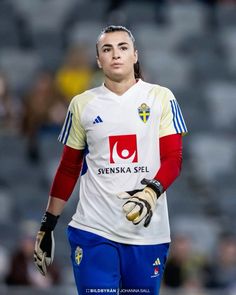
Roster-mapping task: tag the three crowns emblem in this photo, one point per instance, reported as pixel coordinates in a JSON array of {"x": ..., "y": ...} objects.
[
  {"x": 144, "y": 112},
  {"x": 78, "y": 255}
]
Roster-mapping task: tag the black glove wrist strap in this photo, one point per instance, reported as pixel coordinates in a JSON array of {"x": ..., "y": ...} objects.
[
  {"x": 48, "y": 222},
  {"x": 155, "y": 185}
]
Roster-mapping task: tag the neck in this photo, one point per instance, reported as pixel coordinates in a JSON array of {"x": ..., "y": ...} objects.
[{"x": 119, "y": 87}]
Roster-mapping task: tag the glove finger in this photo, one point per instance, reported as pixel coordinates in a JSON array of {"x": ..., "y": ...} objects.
[
  {"x": 38, "y": 264},
  {"x": 52, "y": 249},
  {"x": 38, "y": 257},
  {"x": 123, "y": 195},
  {"x": 141, "y": 216},
  {"x": 134, "y": 213},
  {"x": 136, "y": 210},
  {"x": 48, "y": 261},
  {"x": 41, "y": 261},
  {"x": 44, "y": 263},
  {"x": 131, "y": 193},
  {"x": 39, "y": 239},
  {"x": 127, "y": 195},
  {"x": 148, "y": 219},
  {"x": 128, "y": 206},
  {"x": 38, "y": 254},
  {"x": 39, "y": 267}
]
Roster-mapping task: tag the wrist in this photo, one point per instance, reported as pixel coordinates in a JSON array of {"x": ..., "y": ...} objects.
[
  {"x": 155, "y": 185},
  {"x": 48, "y": 222}
]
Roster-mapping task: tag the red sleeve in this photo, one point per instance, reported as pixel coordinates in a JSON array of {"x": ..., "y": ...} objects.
[
  {"x": 67, "y": 173},
  {"x": 171, "y": 159}
]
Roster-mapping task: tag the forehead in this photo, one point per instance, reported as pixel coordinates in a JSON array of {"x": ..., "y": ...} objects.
[{"x": 114, "y": 38}]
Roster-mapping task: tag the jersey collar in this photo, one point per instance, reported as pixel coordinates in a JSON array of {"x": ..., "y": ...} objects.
[{"x": 127, "y": 92}]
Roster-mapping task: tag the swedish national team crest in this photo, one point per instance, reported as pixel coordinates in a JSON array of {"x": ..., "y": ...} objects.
[
  {"x": 144, "y": 112},
  {"x": 78, "y": 255}
]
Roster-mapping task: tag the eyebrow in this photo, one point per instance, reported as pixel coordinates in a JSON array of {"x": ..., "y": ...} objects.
[{"x": 119, "y": 44}]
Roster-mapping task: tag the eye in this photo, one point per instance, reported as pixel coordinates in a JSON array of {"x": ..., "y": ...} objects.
[
  {"x": 106, "y": 49},
  {"x": 124, "y": 48}
]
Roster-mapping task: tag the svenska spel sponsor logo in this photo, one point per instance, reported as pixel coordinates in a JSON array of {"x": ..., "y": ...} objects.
[{"x": 123, "y": 149}]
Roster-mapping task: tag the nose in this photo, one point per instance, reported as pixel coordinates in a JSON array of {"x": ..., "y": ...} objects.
[{"x": 116, "y": 54}]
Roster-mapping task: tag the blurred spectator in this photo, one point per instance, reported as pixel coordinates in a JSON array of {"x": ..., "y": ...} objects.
[
  {"x": 3, "y": 262},
  {"x": 8, "y": 108},
  {"x": 221, "y": 272},
  {"x": 44, "y": 111},
  {"x": 76, "y": 73},
  {"x": 22, "y": 270},
  {"x": 116, "y": 14},
  {"x": 184, "y": 267}
]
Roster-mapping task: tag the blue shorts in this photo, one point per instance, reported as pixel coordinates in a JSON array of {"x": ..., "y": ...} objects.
[{"x": 102, "y": 266}]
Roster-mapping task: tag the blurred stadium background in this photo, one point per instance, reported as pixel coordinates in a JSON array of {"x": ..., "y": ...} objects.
[{"x": 188, "y": 46}]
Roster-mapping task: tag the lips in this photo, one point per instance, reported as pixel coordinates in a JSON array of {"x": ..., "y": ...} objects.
[{"x": 116, "y": 64}]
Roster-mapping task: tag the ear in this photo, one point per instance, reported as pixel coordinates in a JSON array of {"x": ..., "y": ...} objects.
[
  {"x": 98, "y": 63},
  {"x": 135, "y": 56}
]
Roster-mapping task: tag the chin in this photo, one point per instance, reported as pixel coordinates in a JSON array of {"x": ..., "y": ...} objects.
[{"x": 116, "y": 76}]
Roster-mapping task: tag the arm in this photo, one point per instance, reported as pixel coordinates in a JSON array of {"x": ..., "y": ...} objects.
[
  {"x": 171, "y": 159},
  {"x": 141, "y": 203},
  {"x": 55, "y": 206},
  {"x": 64, "y": 182},
  {"x": 65, "y": 179},
  {"x": 172, "y": 127}
]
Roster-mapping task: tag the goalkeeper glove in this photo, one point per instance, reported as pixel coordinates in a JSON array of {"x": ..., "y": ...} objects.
[
  {"x": 141, "y": 203},
  {"x": 44, "y": 245}
]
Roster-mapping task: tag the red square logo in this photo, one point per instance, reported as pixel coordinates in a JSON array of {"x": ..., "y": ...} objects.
[{"x": 123, "y": 149}]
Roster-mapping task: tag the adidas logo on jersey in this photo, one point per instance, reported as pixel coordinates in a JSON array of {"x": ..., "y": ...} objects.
[
  {"x": 97, "y": 120},
  {"x": 157, "y": 262}
]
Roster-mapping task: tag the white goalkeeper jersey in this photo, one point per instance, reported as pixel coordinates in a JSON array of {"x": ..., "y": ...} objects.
[{"x": 121, "y": 137}]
